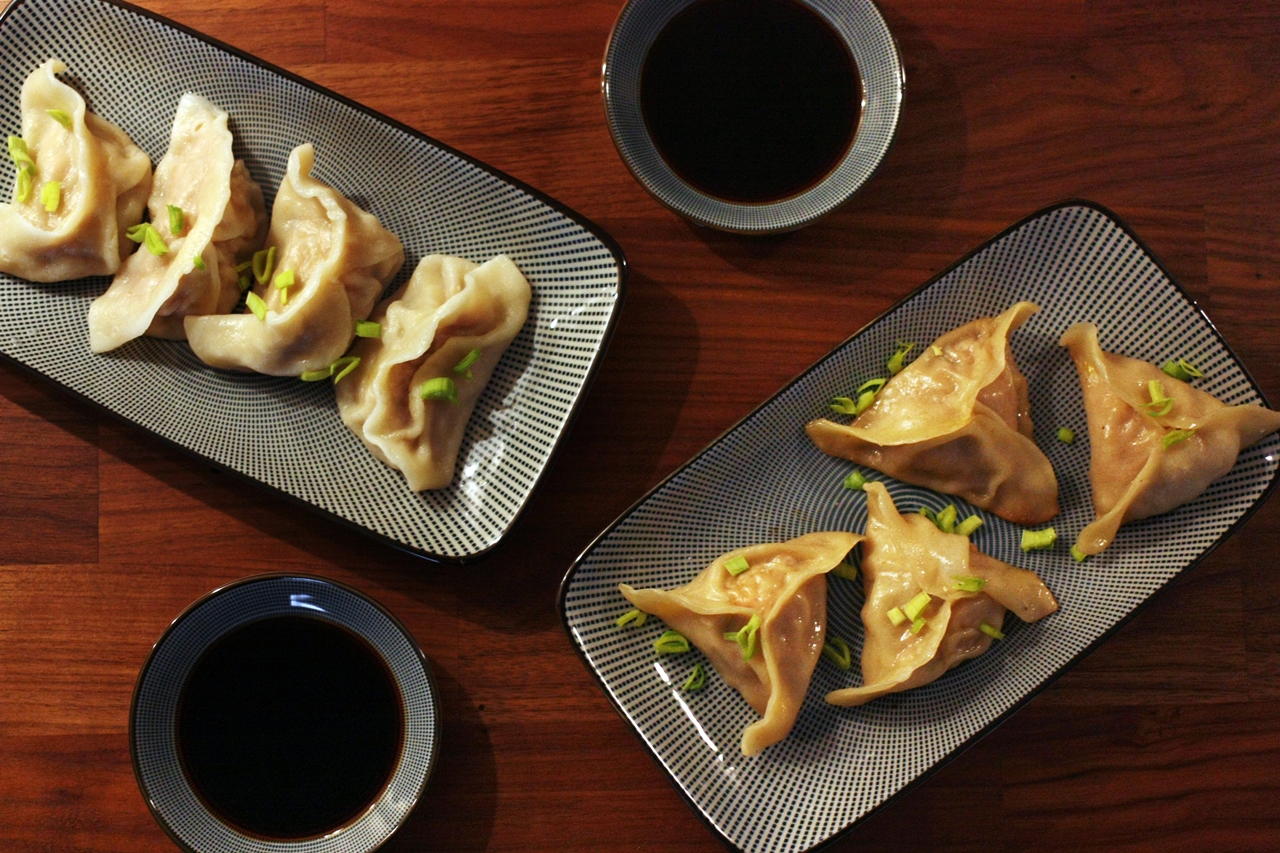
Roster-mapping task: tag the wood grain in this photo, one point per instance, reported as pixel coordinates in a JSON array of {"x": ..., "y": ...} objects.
[{"x": 1166, "y": 737}]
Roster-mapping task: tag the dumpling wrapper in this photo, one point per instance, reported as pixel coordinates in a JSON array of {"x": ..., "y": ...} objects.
[
  {"x": 904, "y": 555},
  {"x": 342, "y": 259},
  {"x": 1133, "y": 475},
  {"x": 448, "y": 308},
  {"x": 224, "y": 217},
  {"x": 104, "y": 182},
  {"x": 959, "y": 422},
  {"x": 786, "y": 585}
]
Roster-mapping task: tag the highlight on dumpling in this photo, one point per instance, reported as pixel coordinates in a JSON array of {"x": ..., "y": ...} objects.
[
  {"x": 415, "y": 385},
  {"x": 958, "y": 420},
  {"x": 81, "y": 184},
  {"x": 774, "y": 596},
  {"x": 325, "y": 265},
  {"x": 1155, "y": 442},
  {"x": 206, "y": 214},
  {"x": 932, "y": 601}
]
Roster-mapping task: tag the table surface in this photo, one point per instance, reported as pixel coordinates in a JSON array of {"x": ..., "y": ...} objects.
[{"x": 1167, "y": 737}]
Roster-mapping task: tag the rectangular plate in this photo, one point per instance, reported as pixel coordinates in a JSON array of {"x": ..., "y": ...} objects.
[
  {"x": 765, "y": 481},
  {"x": 132, "y": 67}
]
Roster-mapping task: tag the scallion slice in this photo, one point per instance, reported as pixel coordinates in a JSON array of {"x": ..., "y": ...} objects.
[
  {"x": 199, "y": 263},
  {"x": 897, "y": 360},
  {"x": 845, "y": 569},
  {"x": 737, "y": 565},
  {"x": 865, "y": 399},
  {"x": 255, "y": 304},
  {"x": 1039, "y": 540},
  {"x": 283, "y": 281},
  {"x": 51, "y": 195},
  {"x": 263, "y": 264},
  {"x": 177, "y": 220},
  {"x": 1065, "y": 435},
  {"x": 1174, "y": 436},
  {"x": 61, "y": 117},
  {"x": 1182, "y": 369},
  {"x": 316, "y": 375},
  {"x": 855, "y": 481},
  {"x": 18, "y": 152},
  {"x": 947, "y": 519},
  {"x": 244, "y": 267},
  {"x": 1160, "y": 404},
  {"x": 970, "y": 524},
  {"x": 968, "y": 583},
  {"x": 1080, "y": 556},
  {"x": 994, "y": 633},
  {"x": 913, "y": 608},
  {"x": 937, "y": 350},
  {"x": 632, "y": 617},
  {"x": 368, "y": 329},
  {"x": 896, "y": 616},
  {"x": 696, "y": 680},
  {"x": 440, "y": 388},
  {"x": 747, "y": 637},
  {"x": 844, "y": 406},
  {"x": 872, "y": 385},
  {"x": 26, "y": 175},
  {"x": 928, "y": 513},
  {"x": 467, "y": 360},
  {"x": 671, "y": 643},
  {"x": 146, "y": 234},
  {"x": 343, "y": 366},
  {"x": 918, "y": 624},
  {"x": 837, "y": 651}
]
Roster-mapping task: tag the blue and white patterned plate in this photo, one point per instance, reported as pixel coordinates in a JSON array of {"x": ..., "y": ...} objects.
[
  {"x": 133, "y": 67},
  {"x": 765, "y": 481},
  {"x": 153, "y": 715}
]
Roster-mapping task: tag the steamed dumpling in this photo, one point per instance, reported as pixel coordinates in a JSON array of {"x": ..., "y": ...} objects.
[
  {"x": 906, "y": 555},
  {"x": 103, "y": 183},
  {"x": 224, "y": 220},
  {"x": 429, "y": 326},
  {"x": 957, "y": 420},
  {"x": 1134, "y": 474},
  {"x": 786, "y": 586},
  {"x": 341, "y": 259}
]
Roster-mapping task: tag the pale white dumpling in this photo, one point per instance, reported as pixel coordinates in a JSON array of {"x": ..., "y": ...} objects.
[
  {"x": 449, "y": 308},
  {"x": 785, "y": 585},
  {"x": 907, "y": 556},
  {"x": 224, "y": 219},
  {"x": 103, "y": 180},
  {"x": 339, "y": 259}
]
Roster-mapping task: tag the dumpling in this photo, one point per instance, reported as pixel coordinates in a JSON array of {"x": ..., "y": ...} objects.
[
  {"x": 785, "y": 585},
  {"x": 102, "y": 177},
  {"x": 339, "y": 259},
  {"x": 904, "y": 556},
  {"x": 1147, "y": 459},
  {"x": 450, "y": 308},
  {"x": 957, "y": 419},
  {"x": 223, "y": 218}
]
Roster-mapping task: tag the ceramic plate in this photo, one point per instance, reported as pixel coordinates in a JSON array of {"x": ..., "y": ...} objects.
[
  {"x": 765, "y": 481},
  {"x": 132, "y": 68}
]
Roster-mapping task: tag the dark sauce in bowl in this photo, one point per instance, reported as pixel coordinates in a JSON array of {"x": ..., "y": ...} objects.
[
  {"x": 750, "y": 100},
  {"x": 289, "y": 727}
]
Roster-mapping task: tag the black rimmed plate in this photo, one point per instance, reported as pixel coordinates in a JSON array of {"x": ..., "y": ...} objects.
[
  {"x": 133, "y": 67},
  {"x": 765, "y": 481}
]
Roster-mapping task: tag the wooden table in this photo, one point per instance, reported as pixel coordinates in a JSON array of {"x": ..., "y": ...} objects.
[{"x": 1166, "y": 738}]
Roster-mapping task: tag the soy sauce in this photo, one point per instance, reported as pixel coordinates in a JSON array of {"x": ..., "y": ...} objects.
[
  {"x": 750, "y": 100},
  {"x": 289, "y": 727}
]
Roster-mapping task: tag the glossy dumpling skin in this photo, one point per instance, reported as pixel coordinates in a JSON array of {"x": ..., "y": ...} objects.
[
  {"x": 225, "y": 219},
  {"x": 104, "y": 181},
  {"x": 448, "y": 308},
  {"x": 958, "y": 422},
  {"x": 342, "y": 259},
  {"x": 1133, "y": 474},
  {"x": 904, "y": 555},
  {"x": 786, "y": 585}
]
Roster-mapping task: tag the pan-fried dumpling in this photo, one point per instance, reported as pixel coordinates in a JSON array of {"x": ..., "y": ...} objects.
[
  {"x": 958, "y": 420},
  {"x": 1150, "y": 458},
  {"x": 450, "y": 308},
  {"x": 904, "y": 556},
  {"x": 223, "y": 217},
  {"x": 103, "y": 180},
  {"x": 339, "y": 259},
  {"x": 785, "y": 585}
]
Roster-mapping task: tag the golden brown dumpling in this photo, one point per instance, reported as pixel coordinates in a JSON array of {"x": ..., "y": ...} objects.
[
  {"x": 786, "y": 586},
  {"x": 957, "y": 420},
  {"x": 904, "y": 556},
  {"x": 1142, "y": 460}
]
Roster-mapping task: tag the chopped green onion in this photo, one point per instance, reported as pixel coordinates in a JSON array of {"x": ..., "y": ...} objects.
[
  {"x": 896, "y": 361},
  {"x": 1160, "y": 404},
  {"x": 837, "y": 651},
  {"x": 19, "y": 153},
  {"x": 1039, "y": 540},
  {"x": 1174, "y": 436},
  {"x": 51, "y": 195},
  {"x": 968, "y": 583},
  {"x": 1080, "y": 556},
  {"x": 671, "y": 643},
  {"x": 282, "y": 283},
  {"x": 872, "y": 385},
  {"x": 844, "y": 406},
  {"x": 440, "y": 388},
  {"x": 746, "y": 638},
  {"x": 316, "y": 375},
  {"x": 696, "y": 679},
  {"x": 737, "y": 565},
  {"x": 146, "y": 233},
  {"x": 632, "y": 617},
  {"x": 917, "y": 624},
  {"x": 1065, "y": 435},
  {"x": 970, "y": 524},
  {"x": 368, "y": 329},
  {"x": 913, "y": 608},
  {"x": 469, "y": 359},
  {"x": 947, "y": 519},
  {"x": 1182, "y": 369},
  {"x": 994, "y": 633},
  {"x": 246, "y": 266},
  {"x": 845, "y": 569},
  {"x": 928, "y": 513},
  {"x": 855, "y": 481},
  {"x": 896, "y": 616},
  {"x": 937, "y": 350},
  {"x": 61, "y": 117},
  {"x": 199, "y": 264},
  {"x": 255, "y": 304},
  {"x": 177, "y": 220},
  {"x": 22, "y": 191},
  {"x": 344, "y": 366},
  {"x": 263, "y": 264},
  {"x": 865, "y": 399}
]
